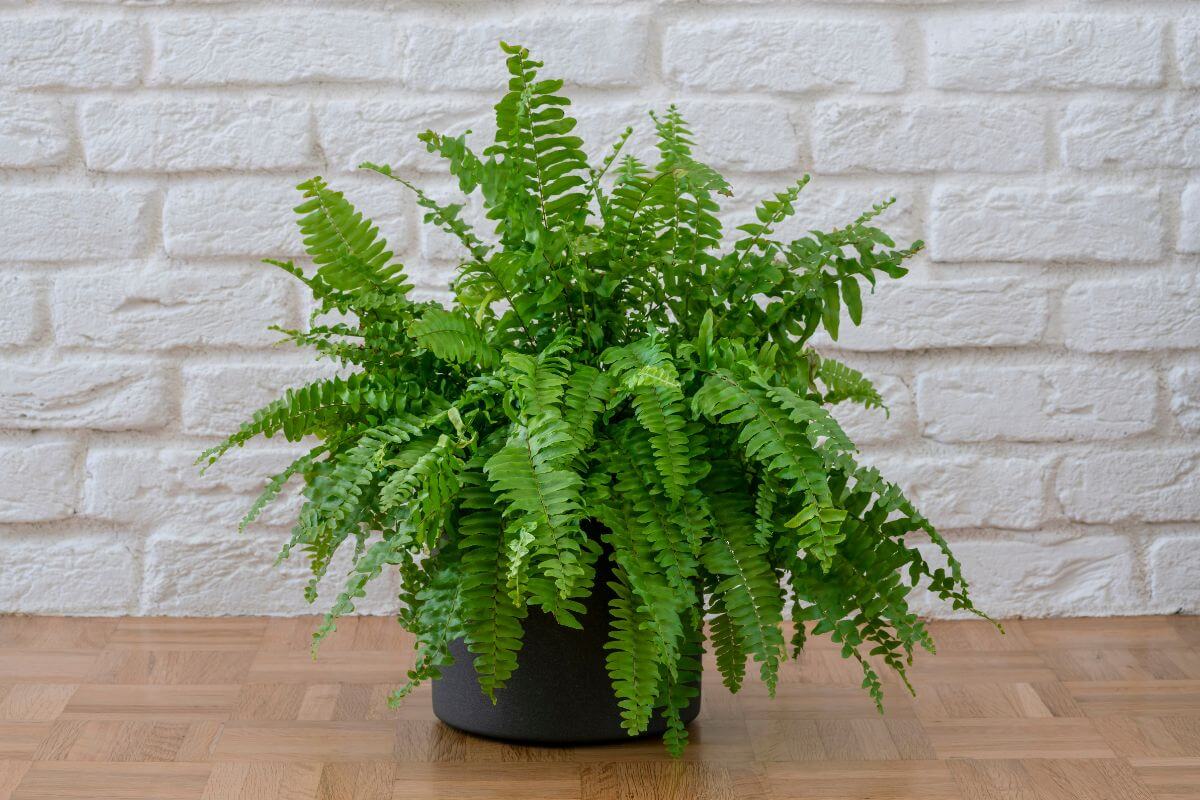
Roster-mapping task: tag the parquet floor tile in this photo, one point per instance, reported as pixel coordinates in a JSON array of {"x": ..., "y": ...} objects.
[{"x": 236, "y": 709}]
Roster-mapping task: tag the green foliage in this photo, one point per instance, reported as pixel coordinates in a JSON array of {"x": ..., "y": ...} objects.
[{"x": 616, "y": 379}]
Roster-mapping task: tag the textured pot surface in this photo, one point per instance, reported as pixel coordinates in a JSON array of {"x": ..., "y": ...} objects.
[{"x": 560, "y": 692}]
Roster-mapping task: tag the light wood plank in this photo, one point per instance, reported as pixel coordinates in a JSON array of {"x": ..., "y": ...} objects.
[
  {"x": 1154, "y": 698},
  {"x": 358, "y": 666},
  {"x": 648, "y": 780},
  {"x": 1017, "y": 738},
  {"x": 224, "y": 633},
  {"x": 19, "y": 740},
  {"x": 90, "y": 781},
  {"x": 46, "y": 666},
  {"x": 1169, "y": 778},
  {"x": 11, "y": 773},
  {"x": 306, "y": 741},
  {"x": 1048, "y": 779},
  {"x": 854, "y": 780},
  {"x": 161, "y": 702},
  {"x": 34, "y": 702},
  {"x": 447, "y": 781}
]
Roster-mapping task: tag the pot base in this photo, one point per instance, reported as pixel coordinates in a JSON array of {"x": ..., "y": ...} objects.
[
  {"x": 560, "y": 701},
  {"x": 560, "y": 693}
]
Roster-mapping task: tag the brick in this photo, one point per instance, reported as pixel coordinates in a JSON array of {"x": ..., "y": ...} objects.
[
  {"x": 231, "y": 217},
  {"x": 854, "y": 136},
  {"x": 1059, "y": 221},
  {"x": 1143, "y": 486},
  {"x": 1087, "y": 576},
  {"x": 155, "y": 310},
  {"x": 246, "y": 216},
  {"x": 138, "y": 485},
  {"x": 21, "y": 299},
  {"x": 917, "y": 316},
  {"x": 1175, "y": 574},
  {"x": 33, "y": 132},
  {"x": 38, "y": 481},
  {"x": 293, "y": 47},
  {"x": 111, "y": 395},
  {"x": 1184, "y": 386},
  {"x": 72, "y": 52},
  {"x": 1147, "y": 314},
  {"x": 192, "y": 570},
  {"x": 602, "y": 121},
  {"x": 1032, "y": 404},
  {"x": 352, "y": 131},
  {"x": 1189, "y": 223},
  {"x": 866, "y": 426},
  {"x": 585, "y": 49},
  {"x": 746, "y": 136},
  {"x": 792, "y": 56},
  {"x": 1015, "y": 52},
  {"x": 971, "y": 491},
  {"x": 1187, "y": 49},
  {"x": 71, "y": 224},
  {"x": 217, "y": 398},
  {"x": 1139, "y": 133},
  {"x": 79, "y": 573},
  {"x": 184, "y": 134}
]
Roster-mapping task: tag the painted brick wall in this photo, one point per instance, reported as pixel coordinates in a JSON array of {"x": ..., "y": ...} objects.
[{"x": 1042, "y": 362}]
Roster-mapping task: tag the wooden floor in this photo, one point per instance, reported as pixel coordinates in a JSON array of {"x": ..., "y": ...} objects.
[{"x": 235, "y": 708}]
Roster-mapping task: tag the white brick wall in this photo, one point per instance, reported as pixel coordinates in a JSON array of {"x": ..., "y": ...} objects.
[{"x": 1042, "y": 364}]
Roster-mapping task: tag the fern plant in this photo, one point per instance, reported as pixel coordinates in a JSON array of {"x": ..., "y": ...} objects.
[{"x": 614, "y": 356}]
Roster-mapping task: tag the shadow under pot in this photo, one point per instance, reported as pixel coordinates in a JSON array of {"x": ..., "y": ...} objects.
[{"x": 560, "y": 693}]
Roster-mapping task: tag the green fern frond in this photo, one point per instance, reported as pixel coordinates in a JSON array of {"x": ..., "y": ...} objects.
[
  {"x": 597, "y": 174},
  {"x": 538, "y": 490},
  {"x": 436, "y": 620},
  {"x": 367, "y": 568},
  {"x": 425, "y": 483},
  {"x": 769, "y": 213},
  {"x": 820, "y": 529},
  {"x": 845, "y": 383},
  {"x": 820, "y": 426},
  {"x": 767, "y": 433},
  {"x": 493, "y": 622},
  {"x": 680, "y": 690},
  {"x": 533, "y": 132},
  {"x": 314, "y": 409},
  {"x": 728, "y": 647},
  {"x": 747, "y": 586},
  {"x": 276, "y": 483},
  {"x": 349, "y": 252},
  {"x": 452, "y": 336},
  {"x": 633, "y": 662},
  {"x": 464, "y": 164},
  {"x": 645, "y": 370},
  {"x": 656, "y": 525},
  {"x": 538, "y": 382},
  {"x": 586, "y": 394}
]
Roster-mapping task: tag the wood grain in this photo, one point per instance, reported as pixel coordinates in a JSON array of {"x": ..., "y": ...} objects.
[{"x": 236, "y": 709}]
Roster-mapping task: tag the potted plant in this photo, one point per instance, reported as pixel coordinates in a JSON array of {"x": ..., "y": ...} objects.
[{"x": 616, "y": 432}]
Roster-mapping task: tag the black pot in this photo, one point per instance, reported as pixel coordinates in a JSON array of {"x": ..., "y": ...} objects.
[{"x": 560, "y": 692}]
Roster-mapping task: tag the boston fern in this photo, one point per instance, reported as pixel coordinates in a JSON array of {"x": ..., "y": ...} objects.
[{"x": 611, "y": 360}]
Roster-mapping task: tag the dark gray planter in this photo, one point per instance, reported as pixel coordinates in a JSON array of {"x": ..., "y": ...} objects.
[{"x": 560, "y": 693}]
